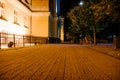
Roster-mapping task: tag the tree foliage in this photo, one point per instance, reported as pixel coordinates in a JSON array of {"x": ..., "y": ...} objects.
[{"x": 93, "y": 15}]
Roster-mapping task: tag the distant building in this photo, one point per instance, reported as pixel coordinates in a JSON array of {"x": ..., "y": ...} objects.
[
  {"x": 38, "y": 18},
  {"x": 56, "y": 28}
]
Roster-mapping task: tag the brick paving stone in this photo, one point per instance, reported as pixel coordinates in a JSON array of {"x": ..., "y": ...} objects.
[
  {"x": 107, "y": 49},
  {"x": 57, "y": 62}
]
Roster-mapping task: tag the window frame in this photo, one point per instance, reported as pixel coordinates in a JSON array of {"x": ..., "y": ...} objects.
[
  {"x": 16, "y": 17},
  {"x": 2, "y": 10}
]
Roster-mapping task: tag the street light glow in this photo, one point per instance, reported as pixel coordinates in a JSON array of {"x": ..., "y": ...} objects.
[{"x": 81, "y": 3}]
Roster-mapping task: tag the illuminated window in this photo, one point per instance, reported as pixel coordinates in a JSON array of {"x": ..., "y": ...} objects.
[
  {"x": 2, "y": 9},
  {"x": 16, "y": 17}
]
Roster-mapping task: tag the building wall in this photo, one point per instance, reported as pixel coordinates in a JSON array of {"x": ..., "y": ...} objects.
[
  {"x": 54, "y": 18},
  {"x": 36, "y": 18},
  {"x": 62, "y": 30},
  {"x": 40, "y": 18},
  {"x": 40, "y": 24},
  {"x": 40, "y": 5},
  {"x": 23, "y": 18}
]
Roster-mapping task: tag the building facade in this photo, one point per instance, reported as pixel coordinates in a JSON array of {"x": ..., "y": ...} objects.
[
  {"x": 29, "y": 21},
  {"x": 56, "y": 28}
]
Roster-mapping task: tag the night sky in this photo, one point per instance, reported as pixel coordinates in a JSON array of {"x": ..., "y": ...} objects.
[{"x": 66, "y": 5}]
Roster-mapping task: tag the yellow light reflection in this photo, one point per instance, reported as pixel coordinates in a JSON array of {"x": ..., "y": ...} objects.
[
  {"x": 4, "y": 46},
  {"x": 11, "y": 28}
]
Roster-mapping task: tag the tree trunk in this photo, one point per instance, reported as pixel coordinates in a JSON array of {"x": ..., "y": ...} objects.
[{"x": 94, "y": 33}]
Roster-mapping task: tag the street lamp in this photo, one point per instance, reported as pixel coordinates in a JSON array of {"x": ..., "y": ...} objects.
[{"x": 81, "y": 3}]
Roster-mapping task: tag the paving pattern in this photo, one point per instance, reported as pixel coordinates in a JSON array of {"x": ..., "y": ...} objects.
[{"x": 57, "y": 62}]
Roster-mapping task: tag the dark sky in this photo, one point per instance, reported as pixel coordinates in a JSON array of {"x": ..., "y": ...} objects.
[{"x": 66, "y": 5}]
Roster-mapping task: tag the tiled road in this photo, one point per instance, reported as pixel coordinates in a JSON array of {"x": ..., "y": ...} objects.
[{"x": 57, "y": 62}]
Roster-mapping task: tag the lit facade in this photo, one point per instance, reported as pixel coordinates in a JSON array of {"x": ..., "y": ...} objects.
[
  {"x": 39, "y": 16},
  {"x": 28, "y": 17},
  {"x": 14, "y": 18},
  {"x": 56, "y": 22}
]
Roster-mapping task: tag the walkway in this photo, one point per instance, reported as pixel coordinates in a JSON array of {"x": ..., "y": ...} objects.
[{"x": 57, "y": 62}]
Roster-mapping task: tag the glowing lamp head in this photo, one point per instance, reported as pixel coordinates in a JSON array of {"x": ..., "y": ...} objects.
[{"x": 81, "y": 3}]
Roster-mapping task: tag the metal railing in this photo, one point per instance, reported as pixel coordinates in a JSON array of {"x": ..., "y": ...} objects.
[{"x": 20, "y": 40}]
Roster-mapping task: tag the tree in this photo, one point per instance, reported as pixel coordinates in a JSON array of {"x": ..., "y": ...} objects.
[
  {"x": 93, "y": 15},
  {"x": 77, "y": 27}
]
